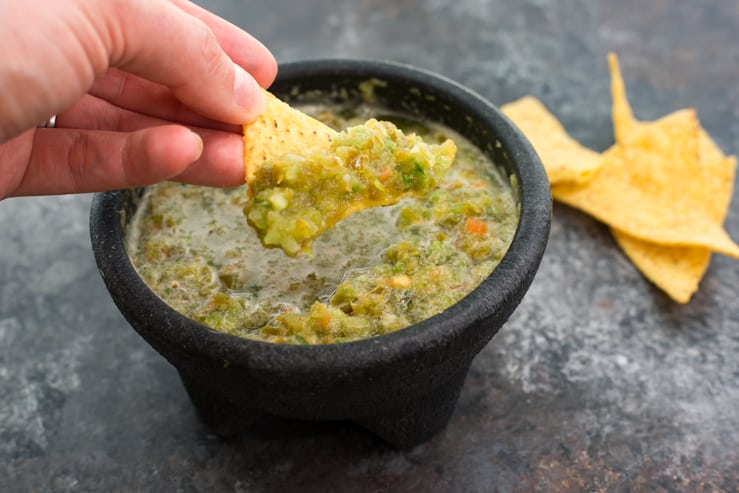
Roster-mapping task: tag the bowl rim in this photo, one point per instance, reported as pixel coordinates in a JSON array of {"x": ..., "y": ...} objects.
[{"x": 515, "y": 269}]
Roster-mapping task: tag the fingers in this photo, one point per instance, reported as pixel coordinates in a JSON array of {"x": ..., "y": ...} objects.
[
  {"x": 184, "y": 64},
  {"x": 161, "y": 42},
  {"x": 220, "y": 164},
  {"x": 134, "y": 93},
  {"x": 99, "y": 160},
  {"x": 41, "y": 75},
  {"x": 74, "y": 161},
  {"x": 138, "y": 94},
  {"x": 243, "y": 48},
  {"x": 174, "y": 43}
]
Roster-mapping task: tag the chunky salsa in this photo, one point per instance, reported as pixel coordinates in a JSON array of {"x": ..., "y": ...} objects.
[
  {"x": 379, "y": 270},
  {"x": 296, "y": 197}
]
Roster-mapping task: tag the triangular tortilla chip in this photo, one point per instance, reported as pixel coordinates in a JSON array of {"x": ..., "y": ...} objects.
[
  {"x": 664, "y": 187},
  {"x": 654, "y": 187},
  {"x": 564, "y": 159},
  {"x": 279, "y": 130},
  {"x": 624, "y": 123},
  {"x": 679, "y": 270},
  {"x": 675, "y": 270}
]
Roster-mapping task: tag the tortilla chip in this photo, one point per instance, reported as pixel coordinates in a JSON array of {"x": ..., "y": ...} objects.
[
  {"x": 664, "y": 188},
  {"x": 655, "y": 188},
  {"x": 675, "y": 270},
  {"x": 679, "y": 270},
  {"x": 720, "y": 173},
  {"x": 281, "y": 129},
  {"x": 624, "y": 123},
  {"x": 564, "y": 159},
  {"x": 716, "y": 169}
]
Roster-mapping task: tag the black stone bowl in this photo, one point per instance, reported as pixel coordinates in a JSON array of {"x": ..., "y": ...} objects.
[{"x": 401, "y": 386}]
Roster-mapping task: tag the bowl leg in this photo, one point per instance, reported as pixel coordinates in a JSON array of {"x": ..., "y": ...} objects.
[
  {"x": 409, "y": 425},
  {"x": 219, "y": 413}
]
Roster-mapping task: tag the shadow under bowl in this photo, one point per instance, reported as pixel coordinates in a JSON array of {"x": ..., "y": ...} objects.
[{"x": 401, "y": 386}]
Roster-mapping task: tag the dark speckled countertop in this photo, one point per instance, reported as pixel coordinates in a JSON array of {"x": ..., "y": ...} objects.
[{"x": 597, "y": 383}]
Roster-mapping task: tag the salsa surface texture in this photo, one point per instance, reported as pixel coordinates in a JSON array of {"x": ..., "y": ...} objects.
[
  {"x": 294, "y": 198},
  {"x": 377, "y": 271}
]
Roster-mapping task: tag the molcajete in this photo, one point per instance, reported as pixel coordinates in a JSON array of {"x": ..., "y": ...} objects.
[{"x": 403, "y": 385}]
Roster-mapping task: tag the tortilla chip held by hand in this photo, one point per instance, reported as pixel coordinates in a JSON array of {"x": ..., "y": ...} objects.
[
  {"x": 281, "y": 129},
  {"x": 304, "y": 177}
]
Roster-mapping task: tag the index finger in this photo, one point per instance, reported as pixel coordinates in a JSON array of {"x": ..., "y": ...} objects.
[
  {"x": 242, "y": 47},
  {"x": 163, "y": 43}
]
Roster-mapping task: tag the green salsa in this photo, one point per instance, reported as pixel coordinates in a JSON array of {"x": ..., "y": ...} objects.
[
  {"x": 376, "y": 271},
  {"x": 297, "y": 197}
]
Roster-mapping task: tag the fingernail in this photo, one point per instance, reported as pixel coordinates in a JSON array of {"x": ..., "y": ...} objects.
[
  {"x": 248, "y": 93},
  {"x": 199, "y": 140}
]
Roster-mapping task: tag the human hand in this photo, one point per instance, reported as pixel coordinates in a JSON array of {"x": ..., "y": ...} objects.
[{"x": 143, "y": 90}]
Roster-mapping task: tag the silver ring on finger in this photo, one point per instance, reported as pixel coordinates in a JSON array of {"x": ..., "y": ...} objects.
[{"x": 50, "y": 123}]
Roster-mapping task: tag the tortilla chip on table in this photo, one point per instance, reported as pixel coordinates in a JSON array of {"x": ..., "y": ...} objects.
[
  {"x": 664, "y": 187},
  {"x": 679, "y": 270},
  {"x": 565, "y": 160}
]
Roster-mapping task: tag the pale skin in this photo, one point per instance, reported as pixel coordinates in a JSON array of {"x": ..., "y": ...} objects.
[{"x": 143, "y": 90}]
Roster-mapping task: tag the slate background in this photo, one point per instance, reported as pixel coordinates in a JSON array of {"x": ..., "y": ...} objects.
[{"x": 597, "y": 383}]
